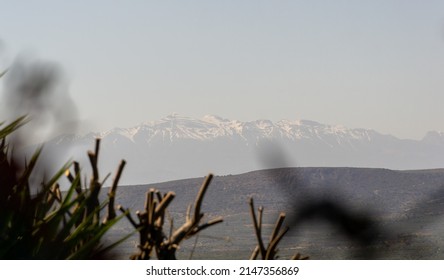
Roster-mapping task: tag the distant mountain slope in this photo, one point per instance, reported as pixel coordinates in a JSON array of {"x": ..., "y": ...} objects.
[
  {"x": 407, "y": 206},
  {"x": 388, "y": 191},
  {"x": 178, "y": 147}
]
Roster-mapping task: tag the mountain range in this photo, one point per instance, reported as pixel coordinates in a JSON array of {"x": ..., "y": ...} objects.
[{"x": 177, "y": 147}]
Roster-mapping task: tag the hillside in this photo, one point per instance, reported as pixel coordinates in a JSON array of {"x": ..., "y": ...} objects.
[{"x": 405, "y": 206}]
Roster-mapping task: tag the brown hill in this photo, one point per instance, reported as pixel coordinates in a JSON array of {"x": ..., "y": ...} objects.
[{"x": 399, "y": 211}]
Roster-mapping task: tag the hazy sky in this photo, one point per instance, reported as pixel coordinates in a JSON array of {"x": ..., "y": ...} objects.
[{"x": 371, "y": 64}]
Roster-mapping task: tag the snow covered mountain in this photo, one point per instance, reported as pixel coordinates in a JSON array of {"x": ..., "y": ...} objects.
[
  {"x": 177, "y": 147},
  {"x": 175, "y": 127}
]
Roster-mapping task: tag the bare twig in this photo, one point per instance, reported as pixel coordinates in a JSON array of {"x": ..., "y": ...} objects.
[
  {"x": 257, "y": 230},
  {"x": 112, "y": 192},
  {"x": 269, "y": 252},
  {"x": 151, "y": 224}
]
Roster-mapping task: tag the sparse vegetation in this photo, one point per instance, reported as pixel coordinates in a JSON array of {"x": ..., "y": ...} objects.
[{"x": 42, "y": 222}]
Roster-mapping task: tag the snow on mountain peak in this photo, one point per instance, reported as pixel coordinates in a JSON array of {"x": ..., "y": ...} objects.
[
  {"x": 214, "y": 119},
  {"x": 174, "y": 127},
  {"x": 182, "y": 146}
]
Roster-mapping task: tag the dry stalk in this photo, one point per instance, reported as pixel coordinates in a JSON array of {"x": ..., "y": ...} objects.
[
  {"x": 268, "y": 252},
  {"x": 151, "y": 221}
]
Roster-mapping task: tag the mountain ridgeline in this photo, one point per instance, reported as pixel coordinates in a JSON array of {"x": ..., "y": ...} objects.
[{"x": 177, "y": 147}]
